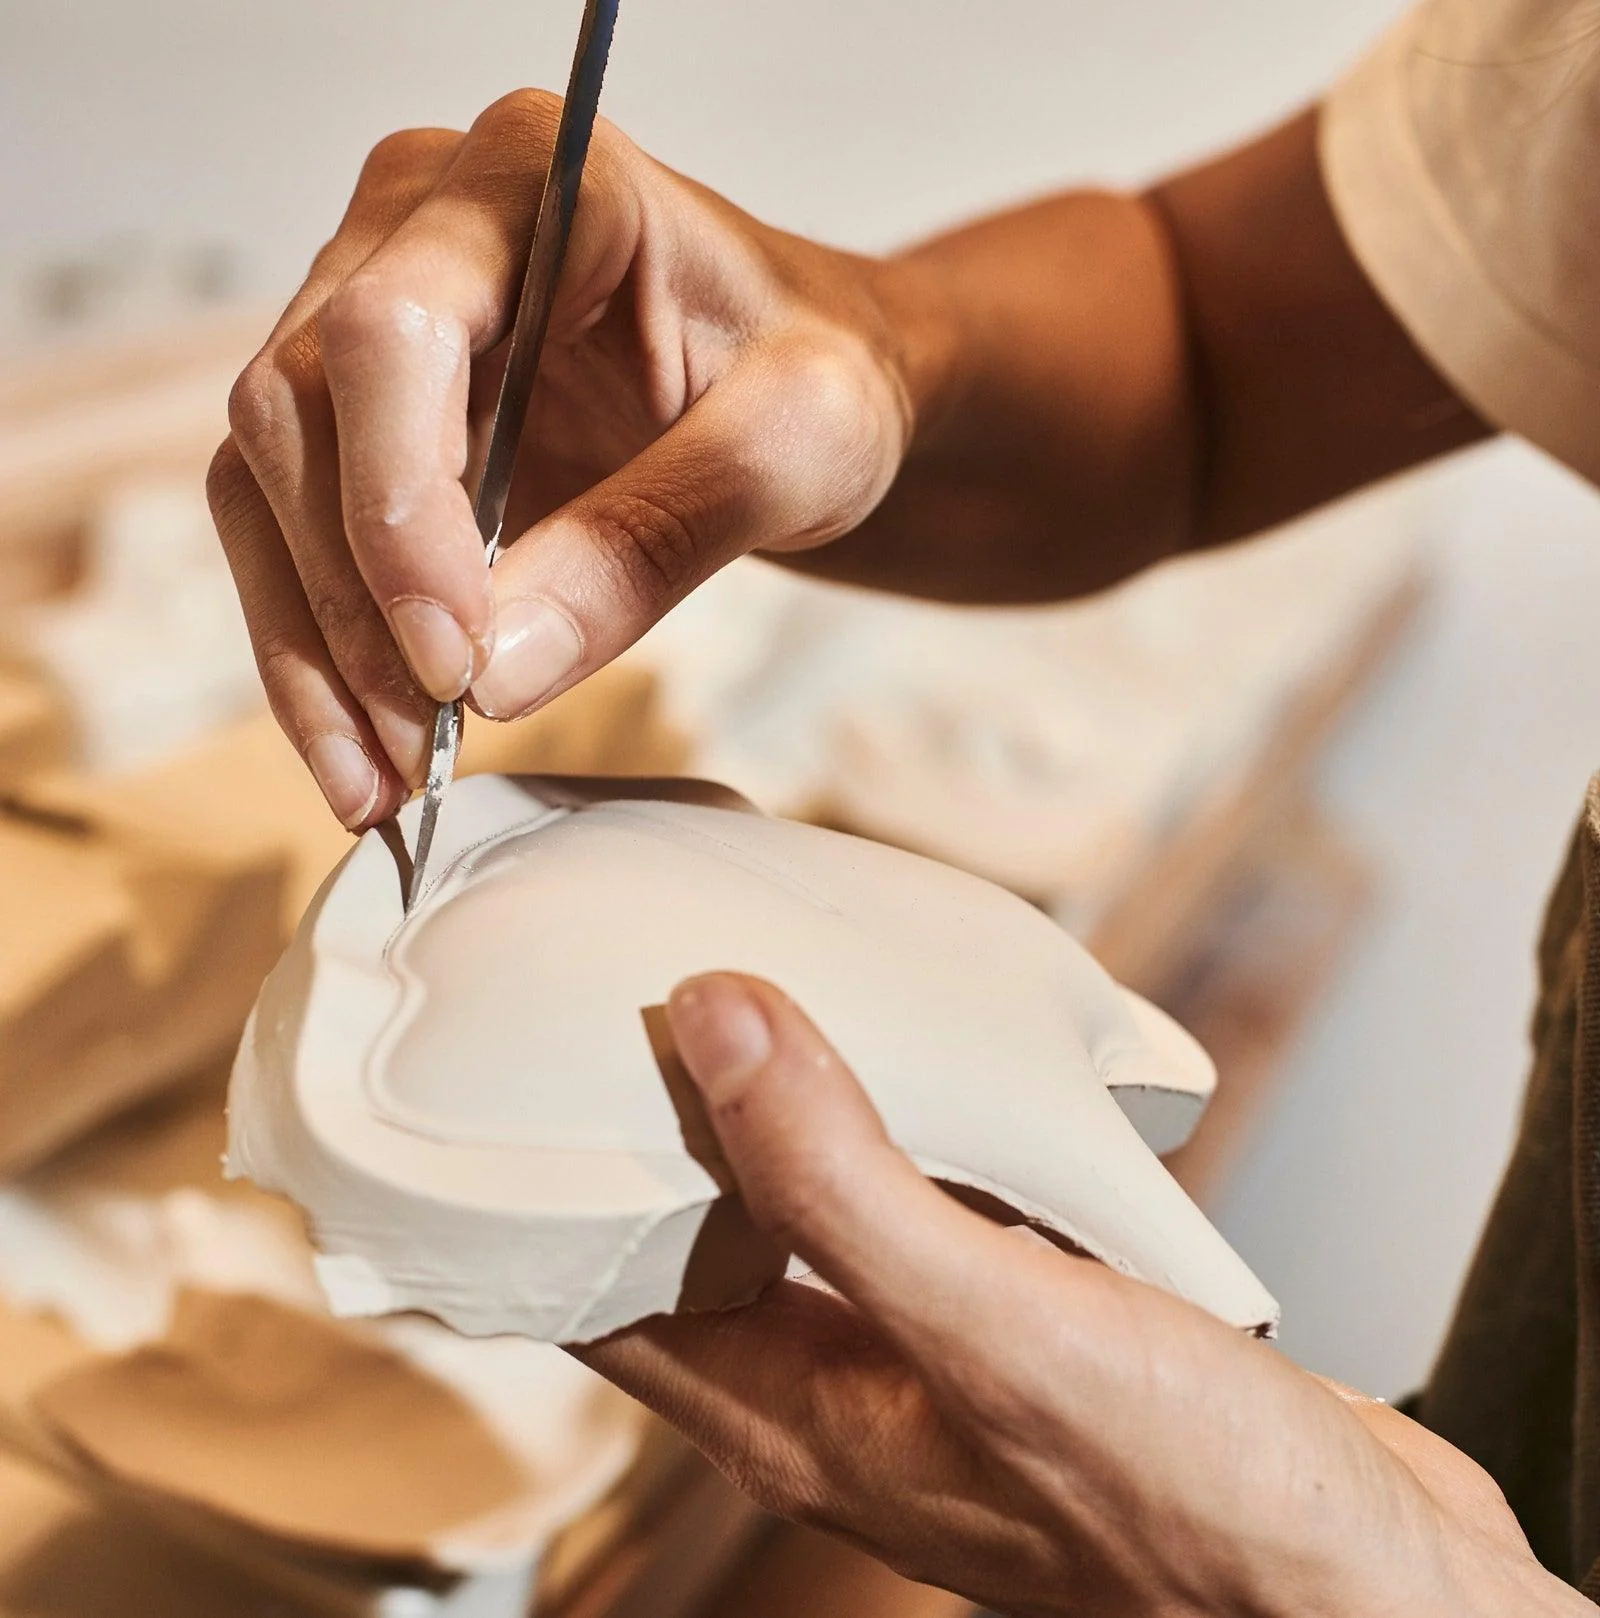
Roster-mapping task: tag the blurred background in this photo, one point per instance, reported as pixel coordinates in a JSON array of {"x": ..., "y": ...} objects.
[{"x": 1309, "y": 794}]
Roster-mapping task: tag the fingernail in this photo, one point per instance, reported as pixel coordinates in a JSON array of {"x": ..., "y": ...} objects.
[
  {"x": 536, "y": 646},
  {"x": 406, "y": 736},
  {"x": 346, "y": 775},
  {"x": 721, "y": 1031},
  {"x": 435, "y": 646}
]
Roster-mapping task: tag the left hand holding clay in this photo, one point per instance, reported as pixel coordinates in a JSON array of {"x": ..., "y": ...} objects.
[{"x": 984, "y": 1412}]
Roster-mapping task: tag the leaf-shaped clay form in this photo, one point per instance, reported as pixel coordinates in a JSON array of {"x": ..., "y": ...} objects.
[{"x": 477, "y": 1107}]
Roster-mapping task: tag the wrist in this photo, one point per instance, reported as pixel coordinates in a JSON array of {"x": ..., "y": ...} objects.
[{"x": 923, "y": 339}]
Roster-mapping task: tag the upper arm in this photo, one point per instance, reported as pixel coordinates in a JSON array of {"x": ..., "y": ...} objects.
[{"x": 1303, "y": 384}]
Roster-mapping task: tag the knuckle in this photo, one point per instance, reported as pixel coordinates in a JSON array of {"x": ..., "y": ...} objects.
[
  {"x": 372, "y": 525},
  {"x": 795, "y": 1188},
  {"x": 387, "y": 531},
  {"x": 360, "y": 645},
  {"x": 278, "y": 658},
  {"x": 347, "y": 625},
  {"x": 525, "y": 112},
  {"x": 405, "y": 150},
  {"x": 267, "y": 394},
  {"x": 651, "y": 550},
  {"x": 780, "y": 1212},
  {"x": 282, "y": 666},
  {"x": 828, "y": 388},
  {"x": 228, "y": 484},
  {"x": 252, "y": 400},
  {"x": 366, "y": 311},
  {"x": 833, "y": 393}
]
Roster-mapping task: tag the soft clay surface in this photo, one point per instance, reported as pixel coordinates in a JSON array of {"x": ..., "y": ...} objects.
[{"x": 479, "y": 1110}]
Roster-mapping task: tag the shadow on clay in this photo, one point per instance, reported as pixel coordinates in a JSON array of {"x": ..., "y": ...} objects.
[{"x": 389, "y": 832}]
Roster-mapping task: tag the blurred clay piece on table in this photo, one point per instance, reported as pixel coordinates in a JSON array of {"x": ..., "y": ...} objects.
[
  {"x": 479, "y": 1108},
  {"x": 148, "y": 648},
  {"x": 144, "y": 907},
  {"x": 163, "y": 1347},
  {"x": 33, "y": 727},
  {"x": 138, "y": 925},
  {"x": 62, "y": 1555},
  {"x": 221, "y": 1414}
]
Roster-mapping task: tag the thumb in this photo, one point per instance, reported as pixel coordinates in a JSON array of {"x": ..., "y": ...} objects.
[{"x": 818, "y": 1172}]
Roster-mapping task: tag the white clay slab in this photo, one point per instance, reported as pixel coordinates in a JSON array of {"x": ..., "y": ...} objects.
[{"x": 476, "y": 1105}]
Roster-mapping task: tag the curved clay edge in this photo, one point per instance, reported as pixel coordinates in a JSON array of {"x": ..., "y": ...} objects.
[
  {"x": 357, "y": 1286},
  {"x": 1165, "y": 1083}
]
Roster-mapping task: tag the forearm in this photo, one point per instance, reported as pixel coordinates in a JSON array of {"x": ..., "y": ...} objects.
[
  {"x": 1056, "y": 449},
  {"x": 1303, "y": 385},
  {"x": 1102, "y": 380}
]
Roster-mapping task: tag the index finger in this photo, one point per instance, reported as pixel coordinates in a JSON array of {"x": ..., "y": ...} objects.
[{"x": 398, "y": 344}]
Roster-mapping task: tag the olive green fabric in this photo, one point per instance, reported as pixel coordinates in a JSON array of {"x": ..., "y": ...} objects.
[{"x": 1517, "y": 1385}]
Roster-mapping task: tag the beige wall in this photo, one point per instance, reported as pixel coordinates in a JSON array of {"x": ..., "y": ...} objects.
[{"x": 174, "y": 121}]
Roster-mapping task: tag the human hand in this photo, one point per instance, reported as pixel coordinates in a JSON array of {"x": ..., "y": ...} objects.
[
  {"x": 1023, "y": 1426},
  {"x": 709, "y": 385}
]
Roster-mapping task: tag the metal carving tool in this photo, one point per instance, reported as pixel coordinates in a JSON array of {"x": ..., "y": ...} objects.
[{"x": 557, "y": 205}]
